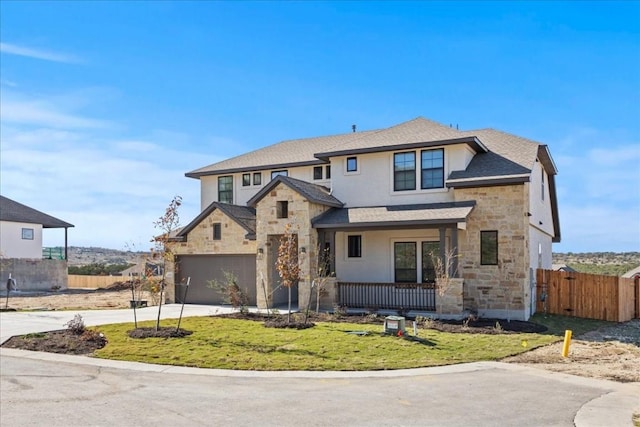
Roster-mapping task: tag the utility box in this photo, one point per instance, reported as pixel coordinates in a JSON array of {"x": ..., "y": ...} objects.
[{"x": 394, "y": 324}]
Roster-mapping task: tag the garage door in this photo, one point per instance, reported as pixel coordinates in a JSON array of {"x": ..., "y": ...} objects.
[{"x": 203, "y": 268}]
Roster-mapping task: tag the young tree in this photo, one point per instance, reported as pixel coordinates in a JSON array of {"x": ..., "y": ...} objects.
[
  {"x": 287, "y": 263},
  {"x": 166, "y": 224},
  {"x": 444, "y": 271}
]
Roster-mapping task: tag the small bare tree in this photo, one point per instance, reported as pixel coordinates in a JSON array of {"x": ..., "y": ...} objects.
[
  {"x": 287, "y": 264},
  {"x": 230, "y": 291},
  {"x": 445, "y": 269},
  {"x": 166, "y": 224},
  {"x": 323, "y": 275}
]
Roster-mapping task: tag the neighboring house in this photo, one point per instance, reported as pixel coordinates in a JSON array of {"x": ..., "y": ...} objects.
[
  {"x": 21, "y": 229},
  {"x": 381, "y": 202},
  {"x": 634, "y": 274},
  {"x": 562, "y": 267}
]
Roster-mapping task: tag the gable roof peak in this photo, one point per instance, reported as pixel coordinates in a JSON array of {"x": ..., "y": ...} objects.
[{"x": 313, "y": 192}]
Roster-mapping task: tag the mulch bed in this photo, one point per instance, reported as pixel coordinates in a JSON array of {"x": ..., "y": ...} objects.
[
  {"x": 63, "y": 341},
  {"x": 160, "y": 333}
]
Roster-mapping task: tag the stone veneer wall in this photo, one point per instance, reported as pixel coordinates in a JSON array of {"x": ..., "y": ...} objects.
[
  {"x": 496, "y": 290},
  {"x": 301, "y": 212},
  {"x": 200, "y": 242}
]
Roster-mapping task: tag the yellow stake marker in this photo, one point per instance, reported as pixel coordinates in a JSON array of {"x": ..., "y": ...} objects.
[{"x": 567, "y": 342}]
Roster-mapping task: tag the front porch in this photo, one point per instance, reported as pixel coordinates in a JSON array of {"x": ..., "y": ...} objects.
[{"x": 444, "y": 300}]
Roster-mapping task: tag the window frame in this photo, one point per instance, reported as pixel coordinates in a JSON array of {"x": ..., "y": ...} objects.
[
  {"x": 225, "y": 191},
  {"x": 279, "y": 172},
  {"x": 493, "y": 235},
  {"x": 427, "y": 261},
  {"x": 423, "y": 169},
  {"x": 28, "y": 233},
  {"x": 414, "y": 278},
  {"x": 246, "y": 179},
  {"x": 410, "y": 184},
  {"x": 217, "y": 231},
  {"x": 317, "y": 173},
  {"x": 357, "y": 246},
  {"x": 327, "y": 171},
  {"x": 259, "y": 180},
  {"x": 282, "y": 209},
  {"x": 349, "y": 161}
]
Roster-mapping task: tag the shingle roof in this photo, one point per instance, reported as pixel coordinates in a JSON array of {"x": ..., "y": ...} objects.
[
  {"x": 296, "y": 152},
  {"x": 17, "y": 212},
  {"x": 312, "y": 192},
  {"x": 386, "y": 216},
  {"x": 243, "y": 215},
  {"x": 416, "y": 132}
]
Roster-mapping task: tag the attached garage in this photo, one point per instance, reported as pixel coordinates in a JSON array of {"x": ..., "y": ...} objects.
[{"x": 203, "y": 268}]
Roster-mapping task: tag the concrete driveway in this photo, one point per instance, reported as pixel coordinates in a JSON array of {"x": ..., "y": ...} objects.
[{"x": 61, "y": 390}]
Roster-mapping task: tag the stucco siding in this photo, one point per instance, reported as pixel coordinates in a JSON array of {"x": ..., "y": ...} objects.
[
  {"x": 540, "y": 200},
  {"x": 12, "y": 245},
  {"x": 376, "y": 262}
]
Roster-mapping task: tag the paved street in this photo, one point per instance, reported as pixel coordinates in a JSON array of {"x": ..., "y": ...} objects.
[{"x": 60, "y": 390}]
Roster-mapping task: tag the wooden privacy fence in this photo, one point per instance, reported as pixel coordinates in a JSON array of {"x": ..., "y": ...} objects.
[
  {"x": 80, "y": 281},
  {"x": 590, "y": 296}
]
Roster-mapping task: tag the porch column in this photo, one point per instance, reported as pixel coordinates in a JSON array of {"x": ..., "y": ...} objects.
[
  {"x": 443, "y": 245},
  {"x": 66, "y": 246},
  {"x": 454, "y": 252}
]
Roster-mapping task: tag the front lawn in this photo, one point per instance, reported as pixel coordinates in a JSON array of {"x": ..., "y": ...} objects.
[{"x": 244, "y": 344}]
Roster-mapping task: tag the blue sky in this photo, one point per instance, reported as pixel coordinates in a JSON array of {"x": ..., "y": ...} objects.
[{"x": 105, "y": 105}]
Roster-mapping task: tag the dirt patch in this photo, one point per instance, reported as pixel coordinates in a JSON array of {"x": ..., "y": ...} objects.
[
  {"x": 160, "y": 333},
  {"x": 71, "y": 299},
  {"x": 611, "y": 353}
]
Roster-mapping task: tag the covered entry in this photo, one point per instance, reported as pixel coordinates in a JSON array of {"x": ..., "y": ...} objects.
[{"x": 203, "y": 268}]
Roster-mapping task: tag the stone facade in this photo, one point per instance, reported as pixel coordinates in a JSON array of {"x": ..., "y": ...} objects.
[
  {"x": 449, "y": 297},
  {"x": 300, "y": 213},
  {"x": 200, "y": 242},
  {"x": 496, "y": 290}
]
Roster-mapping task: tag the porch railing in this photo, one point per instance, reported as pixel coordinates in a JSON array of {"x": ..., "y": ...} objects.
[{"x": 394, "y": 296}]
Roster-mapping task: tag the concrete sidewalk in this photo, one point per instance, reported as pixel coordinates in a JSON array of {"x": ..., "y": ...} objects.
[{"x": 586, "y": 402}]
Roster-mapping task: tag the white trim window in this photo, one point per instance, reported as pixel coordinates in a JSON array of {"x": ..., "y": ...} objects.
[{"x": 27, "y": 234}]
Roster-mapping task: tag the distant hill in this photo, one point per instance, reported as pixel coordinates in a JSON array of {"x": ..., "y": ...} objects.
[
  {"x": 79, "y": 256},
  {"x": 610, "y": 263},
  {"x": 613, "y": 263}
]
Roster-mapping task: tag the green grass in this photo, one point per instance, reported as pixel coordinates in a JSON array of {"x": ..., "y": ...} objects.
[
  {"x": 248, "y": 345},
  {"x": 559, "y": 324}
]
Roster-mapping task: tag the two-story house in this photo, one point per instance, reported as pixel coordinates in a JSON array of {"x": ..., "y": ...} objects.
[{"x": 386, "y": 205}]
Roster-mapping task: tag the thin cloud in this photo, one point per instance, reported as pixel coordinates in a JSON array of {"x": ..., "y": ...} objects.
[
  {"x": 40, "y": 113},
  {"x": 44, "y": 55}
]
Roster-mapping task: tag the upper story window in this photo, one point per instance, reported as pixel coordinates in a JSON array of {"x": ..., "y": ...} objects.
[
  {"x": 489, "y": 248},
  {"x": 282, "y": 209},
  {"x": 404, "y": 171},
  {"x": 27, "y": 234},
  {"x": 217, "y": 231},
  {"x": 246, "y": 179},
  {"x": 542, "y": 186},
  {"x": 257, "y": 178},
  {"x": 352, "y": 164},
  {"x": 279, "y": 173},
  {"x": 432, "y": 162},
  {"x": 225, "y": 189},
  {"x": 354, "y": 246},
  {"x": 327, "y": 172},
  {"x": 317, "y": 172}
]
